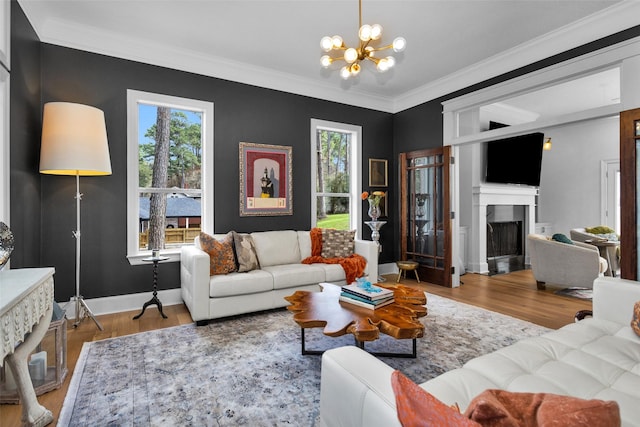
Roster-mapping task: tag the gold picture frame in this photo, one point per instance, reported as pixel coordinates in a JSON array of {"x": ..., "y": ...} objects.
[
  {"x": 378, "y": 174},
  {"x": 266, "y": 185}
]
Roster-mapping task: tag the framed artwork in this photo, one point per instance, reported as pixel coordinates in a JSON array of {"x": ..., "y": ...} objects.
[
  {"x": 378, "y": 173},
  {"x": 266, "y": 185}
]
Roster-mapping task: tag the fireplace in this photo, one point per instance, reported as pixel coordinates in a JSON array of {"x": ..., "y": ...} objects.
[
  {"x": 508, "y": 210},
  {"x": 504, "y": 239}
]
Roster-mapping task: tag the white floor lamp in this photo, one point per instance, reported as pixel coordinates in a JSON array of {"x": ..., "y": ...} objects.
[{"x": 74, "y": 142}]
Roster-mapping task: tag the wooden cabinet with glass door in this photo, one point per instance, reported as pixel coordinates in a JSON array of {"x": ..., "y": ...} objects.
[{"x": 425, "y": 214}]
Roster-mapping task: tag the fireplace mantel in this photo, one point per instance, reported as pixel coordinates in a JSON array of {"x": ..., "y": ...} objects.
[{"x": 485, "y": 195}]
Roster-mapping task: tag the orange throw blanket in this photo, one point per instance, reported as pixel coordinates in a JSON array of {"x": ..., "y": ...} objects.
[{"x": 353, "y": 265}]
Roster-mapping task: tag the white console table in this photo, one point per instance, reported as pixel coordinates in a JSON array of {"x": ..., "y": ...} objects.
[{"x": 26, "y": 304}]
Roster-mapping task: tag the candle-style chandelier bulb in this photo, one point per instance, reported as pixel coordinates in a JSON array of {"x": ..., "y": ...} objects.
[{"x": 399, "y": 43}]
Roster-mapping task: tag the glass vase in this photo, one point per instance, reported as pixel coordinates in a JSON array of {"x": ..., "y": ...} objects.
[{"x": 374, "y": 211}]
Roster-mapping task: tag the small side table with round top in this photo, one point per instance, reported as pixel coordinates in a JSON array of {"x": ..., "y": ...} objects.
[
  {"x": 404, "y": 266},
  {"x": 154, "y": 300}
]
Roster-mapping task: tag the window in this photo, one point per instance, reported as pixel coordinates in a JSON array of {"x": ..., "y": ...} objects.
[
  {"x": 169, "y": 171},
  {"x": 335, "y": 175}
]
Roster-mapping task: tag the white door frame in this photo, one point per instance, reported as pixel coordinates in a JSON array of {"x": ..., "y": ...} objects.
[{"x": 608, "y": 206}]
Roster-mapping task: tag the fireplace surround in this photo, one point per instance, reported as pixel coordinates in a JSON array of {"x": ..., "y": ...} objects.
[{"x": 485, "y": 196}]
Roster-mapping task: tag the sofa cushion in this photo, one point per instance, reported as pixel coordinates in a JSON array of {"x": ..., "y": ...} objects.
[
  {"x": 337, "y": 243},
  {"x": 501, "y": 408},
  {"x": 276, "y": 247},
  {"x": 232, "y": 284},
  {"x": 333, "y": 273},
  {"x": 418, "y": 408},
  {"x": 304, "y": 241},
  {"x": 292, "y": 275},
  {"x": 245, "y": 252},
  {"x": 221, "y": 258}
]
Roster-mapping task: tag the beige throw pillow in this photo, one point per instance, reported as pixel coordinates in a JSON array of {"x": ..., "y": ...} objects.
[
  {"x": 337, "y": 243},
  {"x": 245, "y": 252}
]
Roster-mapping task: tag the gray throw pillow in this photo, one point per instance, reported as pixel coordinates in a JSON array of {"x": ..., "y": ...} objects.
[{"x": 245, "y": 252}]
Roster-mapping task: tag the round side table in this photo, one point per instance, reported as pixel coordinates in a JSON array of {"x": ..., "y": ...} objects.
[
  {"x": 404, "y": 266},
  {"x": 154, "y": 300}
]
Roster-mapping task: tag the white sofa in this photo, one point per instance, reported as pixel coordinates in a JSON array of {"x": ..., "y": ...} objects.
[
  {"x": 596, "y": 358},
  {"x": 281, "y": 273}
]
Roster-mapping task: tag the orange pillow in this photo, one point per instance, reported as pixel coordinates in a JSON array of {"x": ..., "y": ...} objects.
[
  {"x": 221, "y": 258},
  {"x": 418, "y": 408},
  {"x": 635, "y": 320},
  {"x": 500, "y": 408}
]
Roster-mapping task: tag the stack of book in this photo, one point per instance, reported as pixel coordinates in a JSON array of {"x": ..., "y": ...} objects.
[{"x": 369, "y": 296}]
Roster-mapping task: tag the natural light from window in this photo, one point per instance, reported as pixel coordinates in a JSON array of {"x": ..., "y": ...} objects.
[
  {"x": 167, "y": 163},
  {"x": 335, "y": 173}
]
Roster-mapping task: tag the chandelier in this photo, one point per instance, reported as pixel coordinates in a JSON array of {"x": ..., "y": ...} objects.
[{"x": 368, "y": 35}]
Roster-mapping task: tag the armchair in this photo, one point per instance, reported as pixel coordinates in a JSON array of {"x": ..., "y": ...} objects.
[
  {"x": 570, "y": 265},
  {"x": 609, "y": 252}
]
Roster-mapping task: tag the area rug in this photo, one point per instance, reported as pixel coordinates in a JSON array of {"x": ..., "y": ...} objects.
[
  {"x": 581, "y": 293},
  {"x": 248, "y": 370}
]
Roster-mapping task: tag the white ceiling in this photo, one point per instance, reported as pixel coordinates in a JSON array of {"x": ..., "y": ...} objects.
[{"x": 451, "y": 44}]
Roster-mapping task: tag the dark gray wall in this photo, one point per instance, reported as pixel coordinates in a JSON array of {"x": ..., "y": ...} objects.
[
  {"x": 25, "y": 127},
  {"x": 241, "y": 113}
]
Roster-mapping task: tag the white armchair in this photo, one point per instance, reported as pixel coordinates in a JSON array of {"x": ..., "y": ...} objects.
[
  {"x": 564, "y": 264},
  {"x": 611, "y": 251}
]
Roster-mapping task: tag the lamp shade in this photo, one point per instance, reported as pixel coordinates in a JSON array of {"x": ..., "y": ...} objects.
[{"x": 74, "y": 140}]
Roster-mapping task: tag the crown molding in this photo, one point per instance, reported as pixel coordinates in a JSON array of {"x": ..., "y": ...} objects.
[
  {"x": 71, "y": 35},
  {"x": 615, "y": 18},
  {"x": 611, "y": 20}
]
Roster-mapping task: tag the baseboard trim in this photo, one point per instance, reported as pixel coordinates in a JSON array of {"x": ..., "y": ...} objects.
[
  {"x": 388, "y": 268},
  {"x": 120, "y": 303},
  {"x": 130, "y": 302}
]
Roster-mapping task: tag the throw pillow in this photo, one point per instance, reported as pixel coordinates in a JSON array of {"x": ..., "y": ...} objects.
[
  {"x": 221, "y": 259},
  {"x": 600, "y": 229},
  {"x": 558, "y": 237},
  {"x": 501, "y": 408},
  {"x": 245, "y": 252},
  {"x": 635, "y": 321},
  {"x": 418, "y": 408},
  {"x": 337, "y": 243}
]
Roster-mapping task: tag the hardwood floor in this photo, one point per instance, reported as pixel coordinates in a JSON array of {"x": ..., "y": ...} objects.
[{"x": 514, "y": 294}]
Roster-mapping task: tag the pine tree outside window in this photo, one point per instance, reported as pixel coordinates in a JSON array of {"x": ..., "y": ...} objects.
[{"x": 170, "y": 145}]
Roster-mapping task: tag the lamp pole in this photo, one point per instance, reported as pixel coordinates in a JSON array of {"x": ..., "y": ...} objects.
[{"x": 82, "y": 309}]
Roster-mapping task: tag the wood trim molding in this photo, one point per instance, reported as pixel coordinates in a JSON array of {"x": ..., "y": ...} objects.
[{"x": 628, "y": 196}]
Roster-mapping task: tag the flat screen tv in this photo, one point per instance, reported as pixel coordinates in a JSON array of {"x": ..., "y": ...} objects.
[{"x": 515, "y": 160}]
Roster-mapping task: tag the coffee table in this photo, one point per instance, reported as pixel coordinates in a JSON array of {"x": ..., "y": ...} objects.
[{"x": 324, "y": 310}]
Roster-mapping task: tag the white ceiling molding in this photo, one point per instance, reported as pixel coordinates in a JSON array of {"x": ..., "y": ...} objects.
[
  {"x": 89, "y": 39},
  {"x": 615, "y": 18}
]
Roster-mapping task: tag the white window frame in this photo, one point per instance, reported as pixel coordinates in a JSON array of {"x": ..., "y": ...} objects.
[
  {"x": 134, "y": 98},
  {"x": 355, "y": 184}
]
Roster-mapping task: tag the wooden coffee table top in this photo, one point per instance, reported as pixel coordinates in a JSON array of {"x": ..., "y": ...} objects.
[{"x": 325, "y": 310}]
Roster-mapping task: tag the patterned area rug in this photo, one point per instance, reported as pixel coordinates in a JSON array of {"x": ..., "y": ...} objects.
[{"x": 248, "y": 370}]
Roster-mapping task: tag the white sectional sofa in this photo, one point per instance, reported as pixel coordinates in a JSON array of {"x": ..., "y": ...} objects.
[
  {"x": 281, "y": 273},
  {"x": 596, "y": 358}
]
